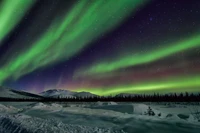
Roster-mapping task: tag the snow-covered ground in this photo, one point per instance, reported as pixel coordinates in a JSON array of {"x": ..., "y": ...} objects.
[{"x": 99, "y": 117}]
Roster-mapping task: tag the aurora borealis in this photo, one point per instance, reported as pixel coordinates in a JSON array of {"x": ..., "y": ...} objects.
[
  {"x": 9, "y": 10},
  {"x": 101, "y": 46},
  {"x": 149, "y": 56},
  {"x": 71, "y": 32}
]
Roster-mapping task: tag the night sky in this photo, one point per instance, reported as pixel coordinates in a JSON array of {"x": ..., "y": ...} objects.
[{"x": 101, "y": 46}]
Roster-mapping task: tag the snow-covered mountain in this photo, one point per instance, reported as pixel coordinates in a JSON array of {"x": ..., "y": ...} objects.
[
  {"x": 54, "y": 93},
  {"x": 57, "y": 93},
  {"x": 11, "y": 93},
  {"x": 65, "y": 93}
]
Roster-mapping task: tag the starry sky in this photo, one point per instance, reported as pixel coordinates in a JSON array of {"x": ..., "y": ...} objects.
[{"x": 101, "y": 46}]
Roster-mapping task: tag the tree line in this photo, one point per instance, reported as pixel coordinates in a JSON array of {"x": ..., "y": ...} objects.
[{"x": 156, "y": 97}]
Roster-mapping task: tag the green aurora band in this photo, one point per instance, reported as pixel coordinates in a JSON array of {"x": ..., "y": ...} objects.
[
  {"x": 68, "y": 35},
  {"x": 11, "y": 12},
  {"x": 141, "y": 58},
  {"x": 182, "y": 83}
]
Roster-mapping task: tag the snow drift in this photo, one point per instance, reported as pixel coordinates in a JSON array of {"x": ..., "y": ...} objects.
[{"x": 26, "y": 124}]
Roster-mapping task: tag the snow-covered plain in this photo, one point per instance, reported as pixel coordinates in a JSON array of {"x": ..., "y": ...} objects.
[{"x": 98, "y": 117}]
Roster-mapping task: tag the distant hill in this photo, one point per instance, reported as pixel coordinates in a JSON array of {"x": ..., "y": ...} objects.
[{"x": 12, "y": 93}]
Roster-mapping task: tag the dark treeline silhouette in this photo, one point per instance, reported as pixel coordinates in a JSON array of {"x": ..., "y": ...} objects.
[{"x": 182, "y": 97}]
